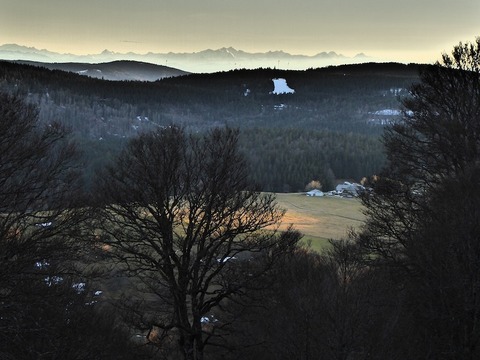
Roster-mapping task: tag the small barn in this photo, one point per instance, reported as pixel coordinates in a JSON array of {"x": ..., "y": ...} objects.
[{"x": 315, "y": 192}]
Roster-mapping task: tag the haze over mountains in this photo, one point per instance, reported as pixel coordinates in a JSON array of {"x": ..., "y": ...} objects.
[{"x": 205, "y": 61}]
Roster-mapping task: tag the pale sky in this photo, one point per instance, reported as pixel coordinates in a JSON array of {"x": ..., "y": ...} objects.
[{"x": 402, "y": 30}]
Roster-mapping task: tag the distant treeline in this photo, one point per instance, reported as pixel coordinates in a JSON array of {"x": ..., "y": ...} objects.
[
  {"x": 322, "y": 131},
  {"x": 286, "y": 160}
]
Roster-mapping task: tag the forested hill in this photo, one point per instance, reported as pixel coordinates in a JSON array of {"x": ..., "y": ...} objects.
[
  {"x": 327, "y": 129},
  {"x": 115, "y": 70}
]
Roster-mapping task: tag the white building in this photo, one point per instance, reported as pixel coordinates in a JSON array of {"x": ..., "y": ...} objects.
[
  {"x": 353, "y": 189},
  {"x": 315, "y": 192}
]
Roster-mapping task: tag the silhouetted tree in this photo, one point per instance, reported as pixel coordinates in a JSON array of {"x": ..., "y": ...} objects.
[
  {"x": 422, "y": 215},
  {"x": 286, "y": 321},
  {"x": 330, "y": 305},
  {"x": 39, "y": 228},
  {"x": 183, "y": 221}
]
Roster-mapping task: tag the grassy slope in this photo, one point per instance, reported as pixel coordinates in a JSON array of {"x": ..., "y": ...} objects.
[{"x": 320, "y": 218}]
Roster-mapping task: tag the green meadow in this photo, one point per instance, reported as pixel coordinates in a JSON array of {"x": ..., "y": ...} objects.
[{"x": 320, "y": 218}]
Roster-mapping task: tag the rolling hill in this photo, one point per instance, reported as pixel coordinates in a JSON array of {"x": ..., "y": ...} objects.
[
  {"x": 328, "y": 127},
  {"x": 115, "y": 70}
]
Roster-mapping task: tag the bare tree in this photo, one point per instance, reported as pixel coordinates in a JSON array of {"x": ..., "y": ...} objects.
[
  {"x": 314, "y": 184},
  {"x": 38, "y": 220},
  {"x": 183, "y": 221}
]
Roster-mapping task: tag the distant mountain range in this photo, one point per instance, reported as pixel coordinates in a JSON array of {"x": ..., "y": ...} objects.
[{"x": 203, "y": 61}]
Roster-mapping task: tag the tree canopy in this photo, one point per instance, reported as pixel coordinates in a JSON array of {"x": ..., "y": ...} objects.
[
  {"x": 183, "y": 221},
  {"x": 422, "y": 214}
]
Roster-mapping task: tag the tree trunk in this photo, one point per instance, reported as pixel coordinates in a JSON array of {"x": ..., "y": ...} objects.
[
  {"x": 188, "y": 348},
  {"x": 199, "y": 346},
  {"x": 192, "y": 346}
]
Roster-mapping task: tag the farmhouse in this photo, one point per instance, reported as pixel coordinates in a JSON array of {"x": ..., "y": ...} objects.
[{"x": 349, "y": 188}]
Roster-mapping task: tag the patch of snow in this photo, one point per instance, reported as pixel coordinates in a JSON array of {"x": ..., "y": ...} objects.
[
  {"x": 226, "y": 258},
  {"x": 281, "y": 87},
  {"x": 82, "y": 72},
  {"x": 42, "y": 264},
  {"x": 79, "y": 287},
  {"x": 382, "y": 122},
  {"x": 279, "y": 107},
  {"x": 98, "y": 293},
  {"x": 53, "y": 280},
  {"x": 247, "y": 92},
  {"x": 208, "y": 319},
  {"x": 396, "y": 91},
  {"x": 388, "y": 112}
]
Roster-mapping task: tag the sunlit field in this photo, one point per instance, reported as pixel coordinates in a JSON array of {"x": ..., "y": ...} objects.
[{"x": 320, "y": 218}]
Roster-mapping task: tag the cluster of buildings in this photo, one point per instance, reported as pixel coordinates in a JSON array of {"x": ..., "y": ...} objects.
[{"x": 345, "y": 189}]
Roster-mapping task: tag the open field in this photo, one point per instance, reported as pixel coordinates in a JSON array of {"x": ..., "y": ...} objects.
[{"x": 320, "y": 218}]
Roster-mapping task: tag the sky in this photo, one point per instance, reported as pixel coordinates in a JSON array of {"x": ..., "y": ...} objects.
[{"x": 401, "y": 30}]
